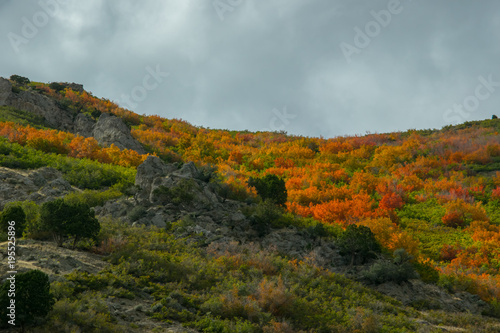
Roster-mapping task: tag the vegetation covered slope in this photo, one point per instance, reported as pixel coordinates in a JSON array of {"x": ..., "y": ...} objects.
[{"x": 434, "y": 193}]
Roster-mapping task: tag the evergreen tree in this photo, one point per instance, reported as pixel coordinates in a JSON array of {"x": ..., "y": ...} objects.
[
  {"x": 270, "y": 187},
  {"x": 16, "y": 214},
  {"x": 358, "y": 242},
  {"x": 73, "y": 220},
  {"x": 33, "y": 299}
]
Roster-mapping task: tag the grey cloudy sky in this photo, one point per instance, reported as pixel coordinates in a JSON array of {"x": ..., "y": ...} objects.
[{"x": 315, "y": 67}]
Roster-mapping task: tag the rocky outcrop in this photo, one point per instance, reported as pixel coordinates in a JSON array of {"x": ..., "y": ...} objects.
[
  {"x": 110, "y": 129},
  {"x": 37, "y": 104},
  {"x": 204, "y": 217},
  {"x": 84, "y": 125},
  {"x": 150, "y": 169},
  {"x": 5, "y": 91},
  {"x": 39, "y": 185},
  {"x": 74, "y": 86}
]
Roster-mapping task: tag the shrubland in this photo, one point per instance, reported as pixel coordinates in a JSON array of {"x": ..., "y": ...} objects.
[{"x": 429, "y": 200}]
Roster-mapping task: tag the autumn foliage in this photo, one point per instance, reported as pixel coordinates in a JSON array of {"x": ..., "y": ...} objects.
[{"x": 374, "y": 180}]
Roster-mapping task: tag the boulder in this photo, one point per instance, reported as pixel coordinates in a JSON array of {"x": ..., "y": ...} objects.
[
  {"x": 39, "y": 185},
  {"x": 188, "y": 170},
  {"x": 84, "y": 125},
  {"x": 110, "y": 129},
  {"x": 153, "y": 167},
  {"x": 38, "y": 104},
  {"x": 5, "y": 91}
]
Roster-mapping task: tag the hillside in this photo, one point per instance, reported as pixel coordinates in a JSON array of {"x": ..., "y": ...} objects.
[{"x": 394, "y": 232}]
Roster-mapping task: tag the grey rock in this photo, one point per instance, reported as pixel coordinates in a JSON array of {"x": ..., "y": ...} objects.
[
  {"x": 37, "y": 104},
  {"x": 5, "y": 91},
  {"x": 115, "y": 208},
  {"x": 39, "y": 185},
  {"x": 74, "y": 86},
  {"x": 159, "y": 221},
  {"x": 110, "y": 129},
  {"x": 238, "y": 216},
  {"x": 151, "y": 168},
  {"x": 84, "y": 125},
  {"x": 41, "y": 176},
  {"x": 188, "y": 170}
]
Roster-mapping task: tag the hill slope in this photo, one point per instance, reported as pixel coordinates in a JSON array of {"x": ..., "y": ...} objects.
[{"x": 217, "y": 258}]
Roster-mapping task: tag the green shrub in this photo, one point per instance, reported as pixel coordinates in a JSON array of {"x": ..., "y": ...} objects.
[
  {"x": 265, "y": 216},
  {"x": 398, "y": 270},
  {"x": 63, "y": 219},
  {"x": 8, "y": 113},
  {"x": 217, "y": 325},
  {"x": 429, "y": 210},
  {"x": 83, "y": 173},
  {"x": 21, "y": 80},
  {"x": 33, "y": 299},
  {"x": 32, "y": 225},
  {"x": 137, "y": 213},
  {"x": 270, "y": 187},
  {"x": 493, "y": 211},
  {"x": 358, "y": 243},
  {"x": 426, "y": 272},
  {"x": 207, "y": 173},
  {"x": 92, "y": 198},
  {"x": 57, "y": 86},
  {"x": 15, "y": 218},
  {"x": 89, "y": 313}
]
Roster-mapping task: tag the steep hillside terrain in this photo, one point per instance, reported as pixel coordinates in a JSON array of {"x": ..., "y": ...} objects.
[{"x": 392, "y": 232}]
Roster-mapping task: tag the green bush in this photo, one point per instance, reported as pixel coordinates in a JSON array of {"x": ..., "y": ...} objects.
[
  {"x": 8, "y": 113},
  {"x": 21, "y": 80},
  {"x": 270, "y": 187},
  {"x": 89, "y": 313},
  {"x": 398, "y": 270},
  {"x": 32, "y": 212},
  {"x": 137, "y": 213},
  {"x": 33, "y": 299},
  {"x": 427, "y": 272},
  {"x": 358, "y": 243},
  {"x": 63, "y": 220},
  {"x": 92, "y": 198},
  {"x": 207, "y": 173},
  {"x": 16, "y": 215},
  {"x": 265, "y": 216},
  {"x": 83, "y": 173},
  {"x": 430, "y": 210},
  {"x": 57, "y": 86}
]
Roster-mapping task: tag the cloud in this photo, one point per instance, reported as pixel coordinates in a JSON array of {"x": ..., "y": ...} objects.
[{"x": 233, "y": 72}]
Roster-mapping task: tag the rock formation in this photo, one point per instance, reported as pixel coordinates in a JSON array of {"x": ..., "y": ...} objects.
[
  {"x": 108, "y": 130},
  {"x": 37, "y": 104},
  {"x": 38, "y": 185}
]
